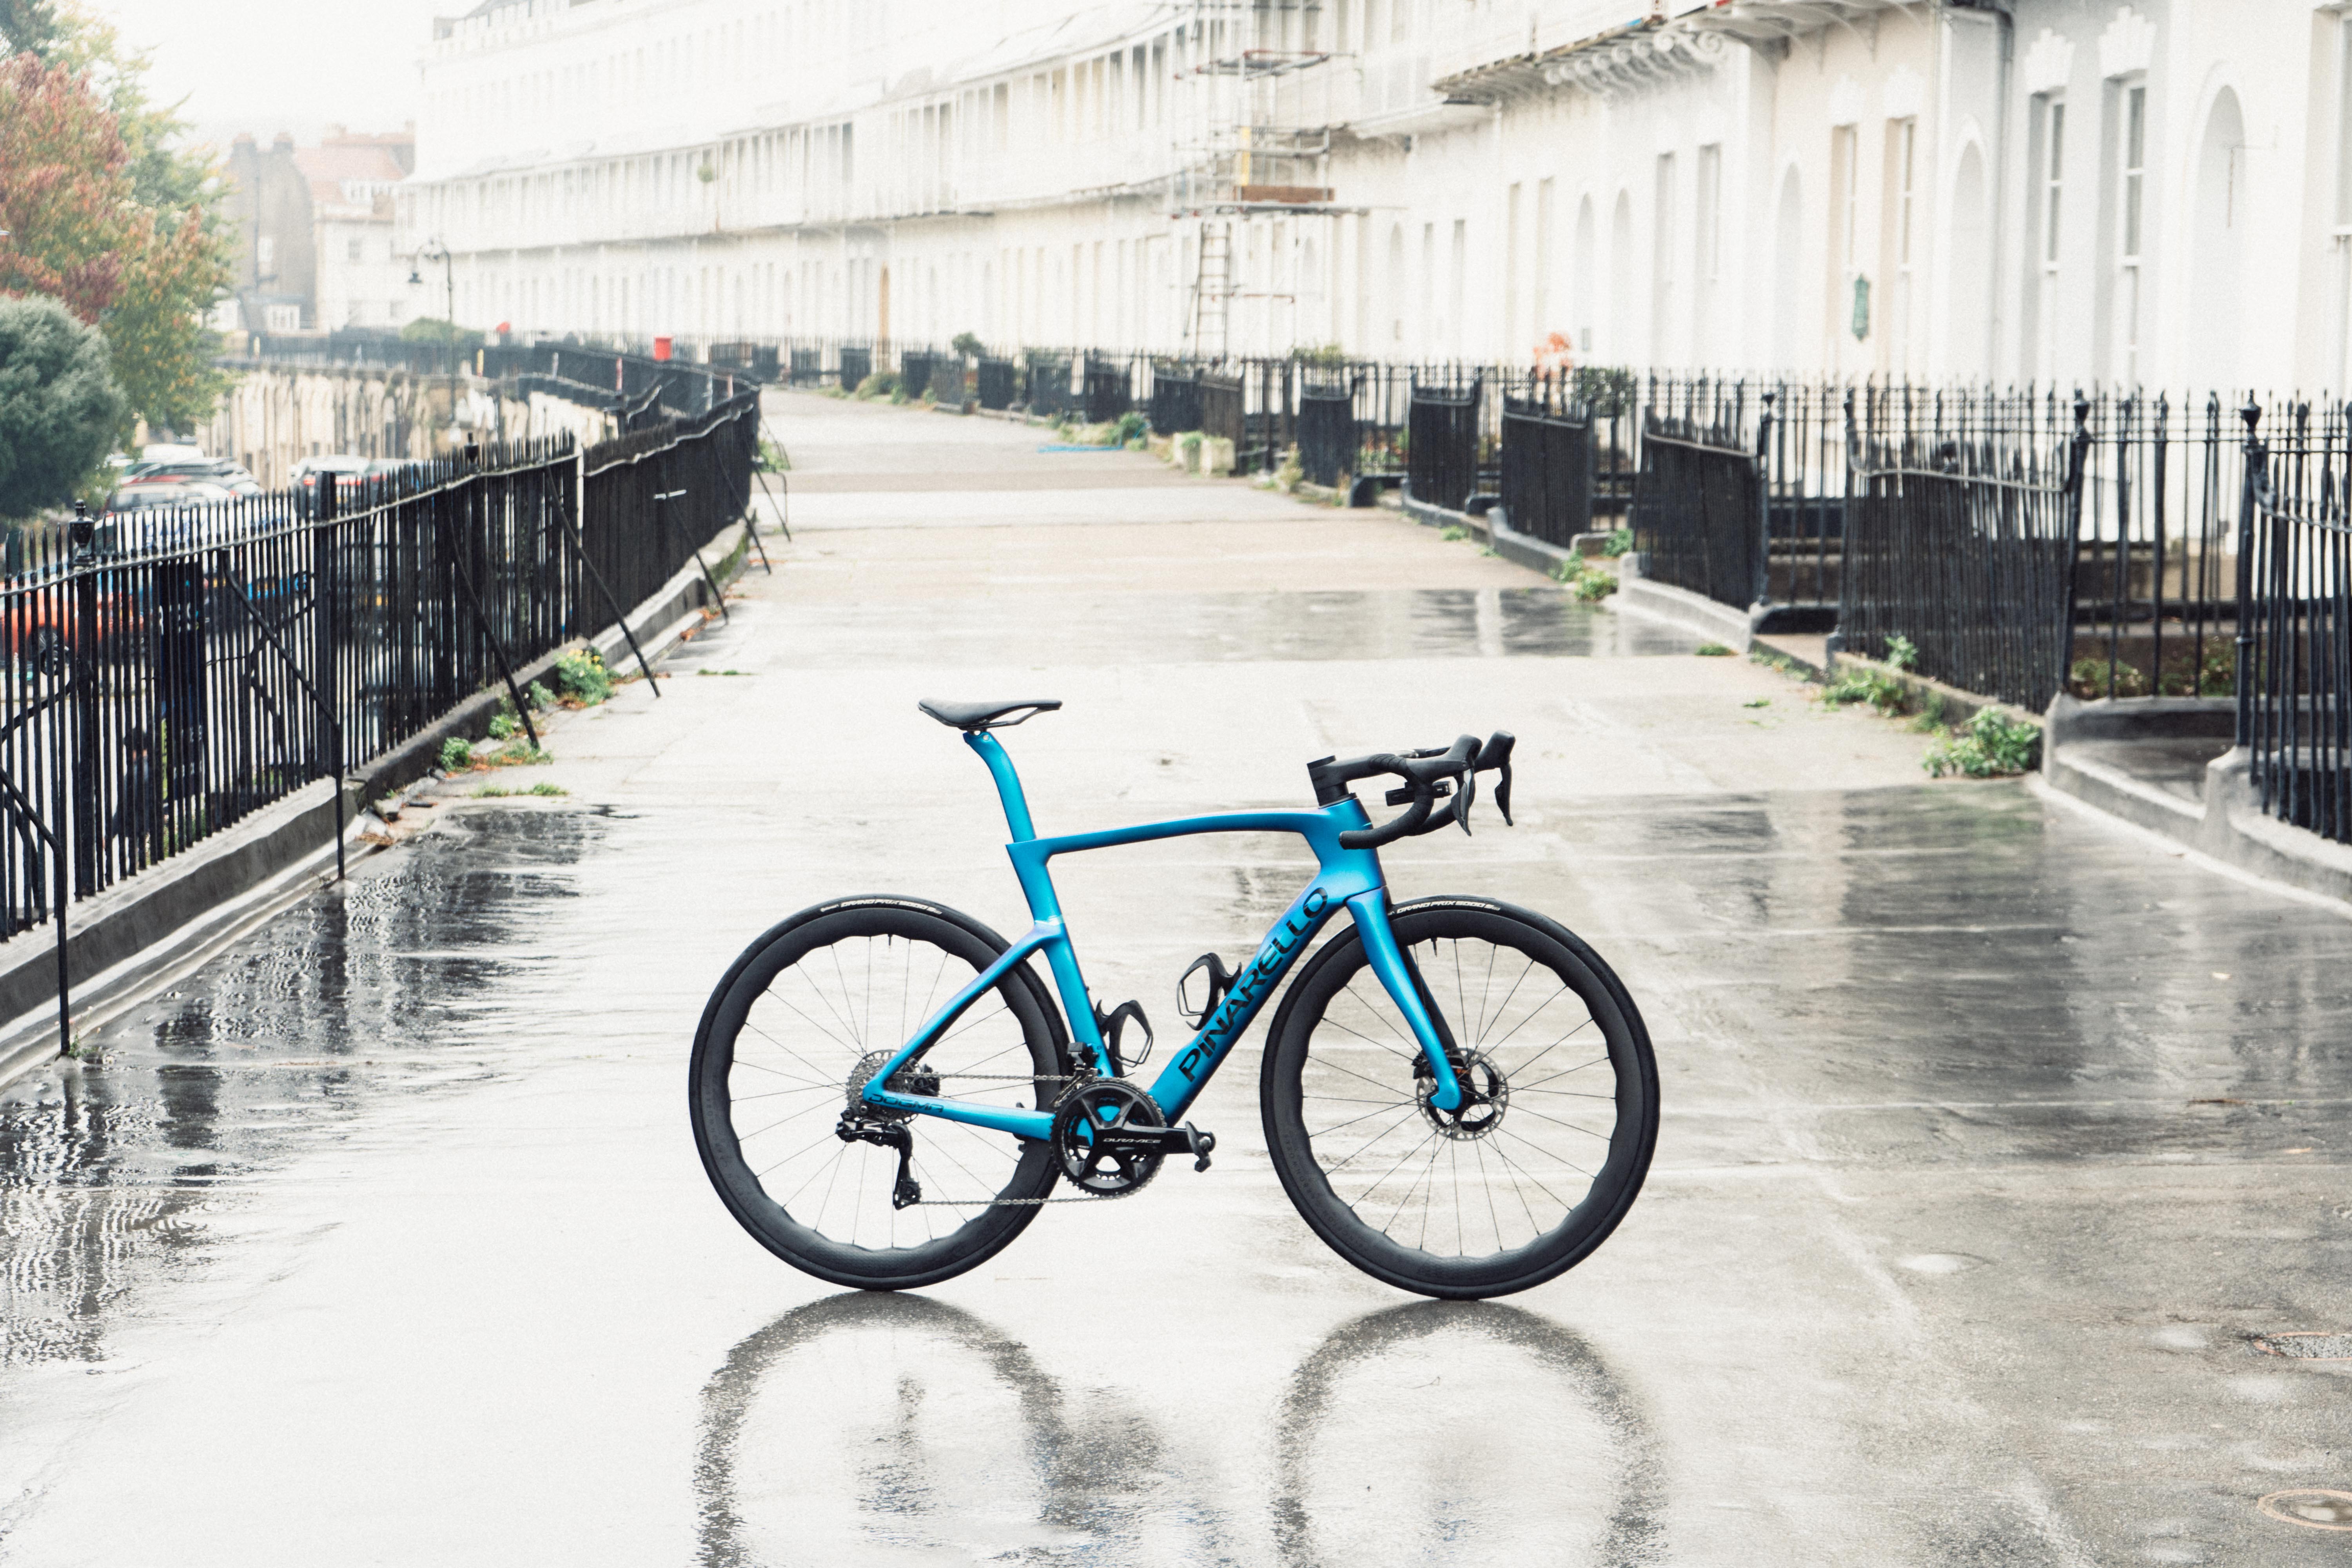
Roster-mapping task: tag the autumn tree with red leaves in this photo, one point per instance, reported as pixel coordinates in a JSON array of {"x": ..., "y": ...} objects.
[{"x": 105, "y": 211}]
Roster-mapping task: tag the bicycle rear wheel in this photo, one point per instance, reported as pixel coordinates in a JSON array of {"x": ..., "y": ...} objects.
[
  {"x": 1520, "y": 1183},
  {"x": 802, "y": 1021}
]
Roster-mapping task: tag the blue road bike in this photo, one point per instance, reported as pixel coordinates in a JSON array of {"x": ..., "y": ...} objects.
[{"x": 1458, "y": 1095}]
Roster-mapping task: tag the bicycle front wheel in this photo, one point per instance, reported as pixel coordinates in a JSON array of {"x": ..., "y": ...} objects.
[
  {"x": 809, "y": 1012},
  {"x": 1527, "y": 1176}
]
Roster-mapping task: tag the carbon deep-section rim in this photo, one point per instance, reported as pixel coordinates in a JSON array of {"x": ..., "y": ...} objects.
[
  {"x": 1518, "y": 1185},
  {"x": 809, "y": 1011}
]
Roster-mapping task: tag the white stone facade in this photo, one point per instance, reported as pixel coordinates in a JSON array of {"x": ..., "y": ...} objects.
[{"x": 2068, "y": 190}]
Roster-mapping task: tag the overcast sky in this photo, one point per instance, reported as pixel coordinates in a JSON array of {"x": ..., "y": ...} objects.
[{"x": 267, "y": 66}]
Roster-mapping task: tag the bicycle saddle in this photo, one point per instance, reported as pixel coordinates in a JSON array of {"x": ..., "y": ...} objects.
[{"x": 985, "y": 715}]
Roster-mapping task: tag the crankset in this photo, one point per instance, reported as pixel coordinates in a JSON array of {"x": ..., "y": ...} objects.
[{"x": 1109, "y": 1138}]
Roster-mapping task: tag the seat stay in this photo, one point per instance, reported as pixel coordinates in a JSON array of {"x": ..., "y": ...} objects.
[{"x": 1022, "y": 1123}]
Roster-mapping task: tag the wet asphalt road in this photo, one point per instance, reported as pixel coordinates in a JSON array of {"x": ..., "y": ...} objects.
[{"x": 1992, "y": 1134}]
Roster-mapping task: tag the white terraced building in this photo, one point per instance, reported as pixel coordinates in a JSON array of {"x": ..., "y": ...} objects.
[{"x": 2063, "y": 190}]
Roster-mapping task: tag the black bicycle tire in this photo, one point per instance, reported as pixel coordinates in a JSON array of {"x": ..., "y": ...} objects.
[
  {"x": 976, "y": 1240},
  {"x": 1553, "y": 1252}
]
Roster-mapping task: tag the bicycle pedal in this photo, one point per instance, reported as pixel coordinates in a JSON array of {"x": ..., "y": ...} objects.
[{"x": 1204, "y": 1145}]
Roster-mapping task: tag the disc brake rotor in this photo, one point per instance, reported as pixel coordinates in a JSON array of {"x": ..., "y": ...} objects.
[{"x": 1485, "y": 1095}]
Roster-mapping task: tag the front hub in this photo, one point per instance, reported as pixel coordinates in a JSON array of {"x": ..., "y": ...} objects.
[{"x": 1485, "y": 1095}]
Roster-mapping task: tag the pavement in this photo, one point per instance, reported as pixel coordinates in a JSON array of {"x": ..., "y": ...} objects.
[{"x": 1995, "y": 1139}]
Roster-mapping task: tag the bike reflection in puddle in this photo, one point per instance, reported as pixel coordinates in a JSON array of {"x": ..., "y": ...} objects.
[{"x": 870, "y": 1428}]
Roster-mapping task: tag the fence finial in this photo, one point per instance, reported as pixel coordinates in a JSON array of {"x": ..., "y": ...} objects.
[
  {"x": 2082, "y": 411},
  {"x": 2252, "y": 413},
  {"x": 82, "y": 530}
]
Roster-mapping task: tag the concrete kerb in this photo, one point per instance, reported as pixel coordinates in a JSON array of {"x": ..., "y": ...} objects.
[
  {"x": 1492, "y": 529},
  {"x": 1640, "y": 595},
  {"x": 2226, "y": 824},
  {"x": 153, "y": 927}
]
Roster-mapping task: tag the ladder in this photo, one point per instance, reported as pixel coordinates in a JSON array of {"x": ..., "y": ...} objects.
[{"x": 1212, "y": 290}]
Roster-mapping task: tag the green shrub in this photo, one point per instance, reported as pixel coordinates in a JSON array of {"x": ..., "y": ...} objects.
[
  {"x": 1621, "y": 542},
  {"x": 60, "y": 406},
  {"x": 1901, "y": 651},
  {"x": 1711, "y": 650},
  {"x": 1993, "y": 745},
  {"x": 1453, "y": 531},
  {"x": 1132, "y": 427},
  {"x": 968, "y": 344},
  {"x": 2089, "y": 678},
  {"x": 881, "y": 384},
  {"x": 1592, "y": 584},
  {"x": 457, "y": 755},
  {"x": 1882, "y": 692},
  {"x": 540, "y": 698},
  {"x": 503, "y": 726},
  {"x": 582, "y": 678}
]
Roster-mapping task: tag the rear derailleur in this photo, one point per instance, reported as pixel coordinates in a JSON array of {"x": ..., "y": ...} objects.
[{"x": 864, "y": 1123}]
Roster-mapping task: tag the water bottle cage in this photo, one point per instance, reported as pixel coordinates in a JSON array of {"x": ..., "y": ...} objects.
[
  {"x": 1221, "y": 981},
  {"x": 1112, "y": 1027}
]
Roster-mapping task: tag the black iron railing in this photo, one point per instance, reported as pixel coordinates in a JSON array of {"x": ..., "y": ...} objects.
[
  {"x": 1966, "y": 547},
  {"x": 169, "y": 673},
  {"x": 915, "y": 372},
  {"x": 1698, "y": 509},
  {"x": 1442, "y": 439},
  {"x": 2294, "y": 650},
  {"x": 1328, "y": 437},
  {"x": 1546, "y": 464},
  {"x": 1175, "y": 404}
]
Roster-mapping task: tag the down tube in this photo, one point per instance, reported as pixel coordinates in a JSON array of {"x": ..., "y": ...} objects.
[{"x": 1182, "y": 1079}]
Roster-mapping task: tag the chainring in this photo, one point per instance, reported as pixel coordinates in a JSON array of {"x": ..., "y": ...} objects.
[{"x": 1104, "y": 1103}]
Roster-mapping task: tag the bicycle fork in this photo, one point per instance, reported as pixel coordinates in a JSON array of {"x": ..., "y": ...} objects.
[{"x": 1402, "y": 978}]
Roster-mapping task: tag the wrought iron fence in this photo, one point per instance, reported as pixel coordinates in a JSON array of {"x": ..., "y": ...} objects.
[
  {"x": 1048, "y": 383},
  {"x": 1442, "y": 439},
  {"x": 174, "y": 671},
  {"x": 1175, "y": 404},
  {"x": 996, "y": 383},
  {"x": 1546, "y": 464},
  {"x": 1225, "y": 409},
  {"x": 1967, "y": 546},
  {"x": 915, "y": 372},
  {"x": 1698, "y": 508},
  {"x": 2295, "y": 636},
  {"x": 1327, "y": 438},
  {"x": 1110, "y": 392}
]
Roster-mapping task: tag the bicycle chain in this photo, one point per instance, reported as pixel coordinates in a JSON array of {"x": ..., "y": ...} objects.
[{"x": 1023, "y": 1203}]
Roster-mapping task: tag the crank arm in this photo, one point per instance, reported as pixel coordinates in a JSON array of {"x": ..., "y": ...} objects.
[{"x": 1184, "y": 1140}]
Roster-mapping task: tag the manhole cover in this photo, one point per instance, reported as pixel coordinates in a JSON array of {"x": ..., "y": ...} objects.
[
  {"x": 2307, "y": 1346},
  {"x": 2319, "y": 1509}
]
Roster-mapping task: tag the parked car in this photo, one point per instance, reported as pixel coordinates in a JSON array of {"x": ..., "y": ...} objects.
[
  {"x": 146, "y": 494},
  {"x": 348, "y": 468},
  {"x": 230, "y": 477}
]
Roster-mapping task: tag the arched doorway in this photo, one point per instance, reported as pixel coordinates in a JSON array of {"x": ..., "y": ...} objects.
[
  {"x": 1623, "y": 272},
  {"x": 2214, "y": 352},
  {"x": 1968, "y": 271},
  {"x": 1787, "y": 256},
  {"x": 1580, "y": 309}
]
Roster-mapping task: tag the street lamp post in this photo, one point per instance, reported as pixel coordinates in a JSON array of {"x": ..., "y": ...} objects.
[{"x": 434, "y": 250}]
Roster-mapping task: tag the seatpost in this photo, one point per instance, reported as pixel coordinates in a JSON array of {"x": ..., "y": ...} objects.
[{"x": 1008, "y": 783}]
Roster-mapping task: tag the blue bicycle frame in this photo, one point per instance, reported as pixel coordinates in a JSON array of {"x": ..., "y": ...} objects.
[{"x": 1344, "y": 877}]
